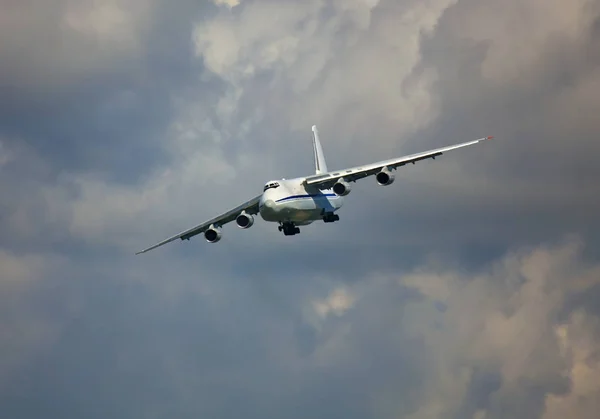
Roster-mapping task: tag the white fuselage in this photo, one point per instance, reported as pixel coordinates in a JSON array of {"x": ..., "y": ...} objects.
[{"x": 292, "y": 201}]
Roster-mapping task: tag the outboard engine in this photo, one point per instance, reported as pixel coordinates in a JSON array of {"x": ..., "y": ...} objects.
[
  {"x": 342, "y": 188},
  {"x": 385, "y": 177},
  {"x": 244, "y": 220},
  {"x": 213, "y": 234}
]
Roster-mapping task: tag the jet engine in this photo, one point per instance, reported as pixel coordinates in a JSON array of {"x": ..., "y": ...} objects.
[
  {"x": 213, "y": 234},
  {"x": 342, "y": 188},
  {"x": 244, "y": 220},
  {"x": 385, "y": 177}
]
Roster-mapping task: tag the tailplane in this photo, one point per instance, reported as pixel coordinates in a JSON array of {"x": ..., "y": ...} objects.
[{"x": 320, "y": 164}]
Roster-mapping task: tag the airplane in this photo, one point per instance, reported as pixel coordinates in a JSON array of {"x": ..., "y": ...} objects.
[{"x": 301, "y": 201}]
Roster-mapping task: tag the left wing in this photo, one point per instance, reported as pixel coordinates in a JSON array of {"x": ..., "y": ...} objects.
[
  {"x": 251, "y": 207},
  {"x": 327, "y": 180}
]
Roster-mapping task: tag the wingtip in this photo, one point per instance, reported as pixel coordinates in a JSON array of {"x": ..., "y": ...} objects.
[
  {"x": 314, "y": 127},
  {"x": 490, "y": 137}
]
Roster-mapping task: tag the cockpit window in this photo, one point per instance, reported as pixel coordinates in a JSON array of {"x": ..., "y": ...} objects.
[{"x": 271, "y": 185}]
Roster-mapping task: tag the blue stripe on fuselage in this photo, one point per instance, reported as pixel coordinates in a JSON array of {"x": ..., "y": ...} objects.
[{"x": 320, "y": 195}]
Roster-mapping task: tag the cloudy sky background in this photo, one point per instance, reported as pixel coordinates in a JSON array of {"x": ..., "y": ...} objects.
[{"x": 467, "y": 289}]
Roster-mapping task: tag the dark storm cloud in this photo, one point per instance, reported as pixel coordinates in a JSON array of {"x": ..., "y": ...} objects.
[
  {"x": 537, "y": 178},
  {"x": 97, "y": 115},
  {"x": 59, "y": 116},
  {"x": 395, "y": 311},
  {"x": 530, "y": 114}
]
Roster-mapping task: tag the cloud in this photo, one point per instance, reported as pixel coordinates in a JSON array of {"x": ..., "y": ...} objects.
[
  {"x": 515, "y": 56},
  {"x": 235, "y": 47},
  {"x": 5, "y": 154},
  {"x": 579, "y": 341},
  {"x": 338, "y": 302},
  {"x": 229, "y": 3},
  {"x": 55, "y": 44},
  {"x": 320, "y": 58},
  {"x": 27, "y": 330},
  {"x": 239, "y": 48},
  {"x": 505, "y": 326},
  {"x": 445, "y": 295},
  {"x": 505, "y": 322},
  {"x": 108, "y": 22}
]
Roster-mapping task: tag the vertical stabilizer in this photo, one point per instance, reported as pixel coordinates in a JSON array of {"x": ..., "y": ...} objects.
[{"x": 320, "y": 165}]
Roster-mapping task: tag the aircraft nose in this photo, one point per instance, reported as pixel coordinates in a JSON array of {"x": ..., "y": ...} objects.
[
  {"x": 269, "y": 204},
  {"x": 269, "y": 210}
]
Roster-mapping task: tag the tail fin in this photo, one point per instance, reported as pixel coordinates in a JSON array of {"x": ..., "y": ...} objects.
[{"x": 320, "y": 164}]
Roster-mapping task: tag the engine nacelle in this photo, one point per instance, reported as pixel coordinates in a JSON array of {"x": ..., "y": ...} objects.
[
  {"x": 385, "y": 177},
  {"x": 342, "y": 188},
  {"x": 213, "y": 234},
  {"x": 244, "y": 220}
]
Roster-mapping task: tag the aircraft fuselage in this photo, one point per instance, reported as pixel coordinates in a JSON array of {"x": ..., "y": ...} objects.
[{"x": 292, "y": 201}]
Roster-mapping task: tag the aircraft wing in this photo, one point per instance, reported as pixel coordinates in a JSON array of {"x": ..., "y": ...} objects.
[
  {"x": 327, "y": 180},
  {"x": 251, "y": 207}
]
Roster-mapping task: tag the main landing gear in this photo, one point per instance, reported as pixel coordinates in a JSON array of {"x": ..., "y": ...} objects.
[
  {"x": 330, "y": 217},
  {"x": 289, "y": 229}
]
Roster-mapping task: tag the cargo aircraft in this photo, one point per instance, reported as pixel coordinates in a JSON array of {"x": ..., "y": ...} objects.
[{"x": 301, "y": 201}]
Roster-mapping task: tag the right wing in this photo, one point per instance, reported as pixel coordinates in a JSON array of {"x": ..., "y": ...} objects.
[
  {"x": 251, "y": 207},
  {"x": 327, "y": 180}
]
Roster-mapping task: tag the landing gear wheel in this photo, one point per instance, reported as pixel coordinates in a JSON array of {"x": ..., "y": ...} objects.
[
  {"x": 330, "y": 217},
  {"x": 289, "y": 229}
]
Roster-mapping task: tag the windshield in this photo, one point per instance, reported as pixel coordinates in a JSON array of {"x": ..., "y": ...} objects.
[{"x": 271, "y": 185}]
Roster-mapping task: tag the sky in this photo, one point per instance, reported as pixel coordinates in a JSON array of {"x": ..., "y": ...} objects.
[{"x": 467, "y": 289}]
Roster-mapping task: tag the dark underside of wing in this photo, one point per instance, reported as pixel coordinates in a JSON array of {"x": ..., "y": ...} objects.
[
  {"x": 327, "y": 180},
  {"x": 250, "y": 207}
]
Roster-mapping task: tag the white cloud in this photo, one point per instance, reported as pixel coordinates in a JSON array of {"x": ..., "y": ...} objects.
[
  {"x": 108, "y": 22},
  {"x": 505, "y": 321},
  {"x": 324, "y": 64},
  {"x": 534, "y": 27},
  {"x": 106, "y": 213},
  {"x": 50, "y": 45},
  {"x": 229, "y": 3},
  {"x": 338, "y": 302},
  {"x": 579, "y": 340},
  {"x": 202, "y": 180}
]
